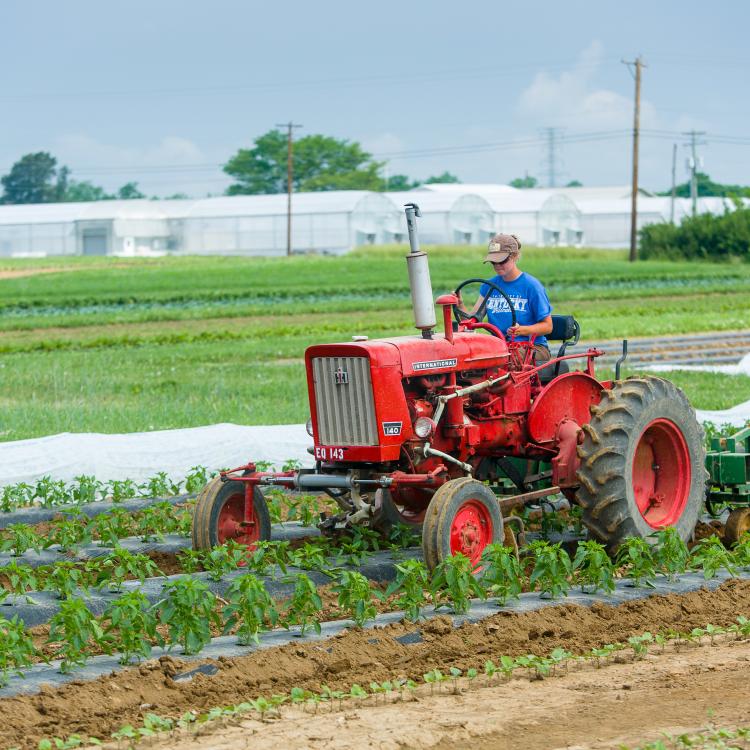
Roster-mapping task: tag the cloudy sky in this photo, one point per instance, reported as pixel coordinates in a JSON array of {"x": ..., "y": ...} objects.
[{"x": 165, "y": 91}]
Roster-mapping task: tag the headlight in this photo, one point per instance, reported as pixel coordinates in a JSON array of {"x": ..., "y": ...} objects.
[
  {"x": 308, "y": 427},
  {"x": 424, "y": 427}
]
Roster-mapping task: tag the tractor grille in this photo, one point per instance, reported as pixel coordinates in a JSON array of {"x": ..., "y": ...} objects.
[{"x": 344, "y": 401}]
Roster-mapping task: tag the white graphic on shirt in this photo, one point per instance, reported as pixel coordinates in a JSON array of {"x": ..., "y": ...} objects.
[{"x": 500, "y": 305}]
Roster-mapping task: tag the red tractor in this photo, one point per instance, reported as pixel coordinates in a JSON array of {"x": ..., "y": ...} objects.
[{"x": 414, "y": 429}]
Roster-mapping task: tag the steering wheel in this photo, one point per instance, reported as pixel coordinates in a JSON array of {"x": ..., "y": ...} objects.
[{"x": 460, "y": 315}]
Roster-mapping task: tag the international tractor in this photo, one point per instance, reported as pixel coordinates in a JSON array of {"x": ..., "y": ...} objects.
[{"x": 419, "y": 429}]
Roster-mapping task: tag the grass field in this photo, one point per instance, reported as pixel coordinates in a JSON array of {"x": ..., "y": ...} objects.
[{"x": 108, "y": 344}]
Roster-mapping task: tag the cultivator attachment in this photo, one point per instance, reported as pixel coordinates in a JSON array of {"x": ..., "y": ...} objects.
[{"x": 728, "y": 465}]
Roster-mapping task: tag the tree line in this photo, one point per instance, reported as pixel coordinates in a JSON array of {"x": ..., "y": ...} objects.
[{"x": 320, "y": 163}]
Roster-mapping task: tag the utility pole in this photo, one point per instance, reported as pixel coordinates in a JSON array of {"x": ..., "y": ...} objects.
[
  {"x": 289, "y": 175},
  {"x": 638, "y": 64},
  {"x": 674, "y": 182},
  {"x": 693, "y": 165}
]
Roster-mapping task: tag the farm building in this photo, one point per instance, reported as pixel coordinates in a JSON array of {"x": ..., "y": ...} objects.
[
  {"x": 254, "y": 225},
  {"x": 333, "y": 222}
]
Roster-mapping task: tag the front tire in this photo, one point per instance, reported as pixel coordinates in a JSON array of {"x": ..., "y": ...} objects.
[
  {"x": 642, "y": 463},
  {"x": 463, "y": 516},
  {"x": 219, "y": 516}
]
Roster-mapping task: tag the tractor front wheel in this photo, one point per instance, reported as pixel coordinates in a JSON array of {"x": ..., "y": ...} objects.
[
  {"x": 642, "y": 463},
  {"x": 219, "y": 516},
  {"x": 463, "y": 516}
]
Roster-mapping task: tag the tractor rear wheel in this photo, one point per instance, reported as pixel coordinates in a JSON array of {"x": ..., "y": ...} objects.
[
  {"x": 219, "y": 516},
  {"x": 642, "y": 463},
  {"x": 463, "y": 516}
]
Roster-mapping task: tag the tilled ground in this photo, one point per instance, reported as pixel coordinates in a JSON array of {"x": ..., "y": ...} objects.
[{"x": 102, "y": 706}]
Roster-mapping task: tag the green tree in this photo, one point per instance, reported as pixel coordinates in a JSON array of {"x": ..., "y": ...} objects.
[
  {"x": 129, "y": 191},
  {"x": 34, "y": 178},
  {"x": 320, "y": 163},
  {"x": 708, "y": 188},
  {"x": 574, "y": 183},
  {"x": 400, "y": 182},
  {"x": 525, "y": 182},
  {"x": 444, "y": 178},
  {"x": 83, "y": 191}
]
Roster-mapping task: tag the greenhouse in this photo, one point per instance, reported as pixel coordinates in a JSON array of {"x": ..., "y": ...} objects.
[{"x": 450, "y": 217}]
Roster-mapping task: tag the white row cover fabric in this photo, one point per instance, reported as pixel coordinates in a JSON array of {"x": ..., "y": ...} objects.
[
  {"x": 741, "y": 368},
  {"x": 140, "y": 455}
]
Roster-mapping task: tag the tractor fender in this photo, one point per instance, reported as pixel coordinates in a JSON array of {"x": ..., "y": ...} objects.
[{"x": 569, "y": 397}]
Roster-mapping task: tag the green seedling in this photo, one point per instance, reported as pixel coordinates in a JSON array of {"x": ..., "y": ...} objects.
[
  {"x": 711, "y": 556},
  {"x": 640, "y": 643},
  {"x": 75, "y": 628},
  {"x": 159, "y": 485},
  {"x": 671, "y": 553},
  {"x": 434, "y": 677},
  {"x": 742, "y": 551},
  {"x": 49, "y": 492},
  {"x": 638, "y": 558},
  {"x": 558, "y": 657},
  {"x": 86, "y": 489},
  {"x": 592, "y": 568},
  {"x": 454, "y": 584},
  {"x": 17, "y": 649},
  {"x": 502, "y": 575},
  {"x": 552, "y": 569},
  {"x": 191, "y": 560},
  {"x": 411, "y": 582},
  {"x": 130, "y": 625},
  {"x": 303, "y": 608},
  {"x": 249, "y": 608},
  {"x": 187, "y": 610},
  {"x": 70, "y": 535},
  {"x": 16, "y": 496},
  {"x": 355, "y": 596},
  {"x": 311, "y": 556}
]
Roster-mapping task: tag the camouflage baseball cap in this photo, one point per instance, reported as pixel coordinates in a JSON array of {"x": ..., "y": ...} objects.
[{"x": 501, "y": 247}]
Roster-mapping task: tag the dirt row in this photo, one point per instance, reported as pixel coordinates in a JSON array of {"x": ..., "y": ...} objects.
[{"x": 102, "y": 706}]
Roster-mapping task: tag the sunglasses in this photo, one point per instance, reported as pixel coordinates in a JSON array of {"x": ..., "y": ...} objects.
[{"x": 501, "y": 262}]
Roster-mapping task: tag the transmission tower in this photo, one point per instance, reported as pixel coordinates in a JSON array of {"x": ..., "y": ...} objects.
[{"x": 552, "y": 163}]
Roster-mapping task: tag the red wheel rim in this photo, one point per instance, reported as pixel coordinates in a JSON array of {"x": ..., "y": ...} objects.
[
  {"x": 232, "y": 524},
  {"x": 661, "y": 474},
  {"x": 471, "y": 530}
]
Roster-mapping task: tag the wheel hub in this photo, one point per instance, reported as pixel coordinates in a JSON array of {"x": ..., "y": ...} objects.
[
  {"x": 661, "y": 473},
  {"x": 471, "y": 531}
]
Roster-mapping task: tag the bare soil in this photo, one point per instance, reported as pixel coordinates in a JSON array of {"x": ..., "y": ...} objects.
[
  {"x": 99, "y": 707},
  {"x": 625, "y": 704}
]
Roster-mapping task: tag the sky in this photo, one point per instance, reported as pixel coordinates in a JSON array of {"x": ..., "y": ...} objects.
[{"x": 164, "y": 92}]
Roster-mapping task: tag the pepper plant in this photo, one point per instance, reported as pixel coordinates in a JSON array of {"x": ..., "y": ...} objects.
[
  {"x": 552, "y": 569},
  {"x": 224, "y": 559},
  {"x": 303, "y": 607},
  {"x": 711, "y": 556},
  {"x": 502, "y": 575},
  {"x": 17, "y": 649},
  {"x": 122, "y": 565},
  {"x": 159, "y": 485},
  {"x": 742, "y": 551},
  {"x": 187, "y": 610},
  {"x": 110, "y": 527},
  {"x": 86, "y": 489},
  {"x": 76, "y": 629},
  {"x": 454, "y": 584},
  {"x": 638, "y": 557},
  {"x": 355, "y": 596},
  {"x": 65, "y": 578},
  {"x": 21, "y": 578},
  {"x": 70, "y": 534},
  {"x": 592, "y": 567},
  {"x": 19, "y": 537},
  {"x": 250, "y": 607},
  {"x": 130, "y": 625},
  {"x": 196, "y": 479},
  {"x": 122, "y": 489},
  {"x": 671, "y": 552},
  {"x": 411, "y": 582}
]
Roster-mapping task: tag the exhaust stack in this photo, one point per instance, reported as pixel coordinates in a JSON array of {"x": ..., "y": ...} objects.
[{"x": 419, "y": 277}]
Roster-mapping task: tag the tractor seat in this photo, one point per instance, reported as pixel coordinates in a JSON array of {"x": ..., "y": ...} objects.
[{"x": 565, "y": 328}]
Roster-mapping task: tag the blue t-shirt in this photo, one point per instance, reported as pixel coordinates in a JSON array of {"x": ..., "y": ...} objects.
[{"x": 530, "y": 302}]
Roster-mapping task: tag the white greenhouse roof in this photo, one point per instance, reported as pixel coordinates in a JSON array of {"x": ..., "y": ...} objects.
[
  {"x": 434, "y": 202},
  {"x": 44, "y": 213},
  {"x": 478, "y": 188}
]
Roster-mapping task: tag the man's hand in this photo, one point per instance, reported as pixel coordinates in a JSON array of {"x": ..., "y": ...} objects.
[{"x": 519, "y": 330}]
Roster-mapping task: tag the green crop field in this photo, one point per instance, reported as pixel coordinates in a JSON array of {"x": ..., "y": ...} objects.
[{"x": 118, "y": 345}]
